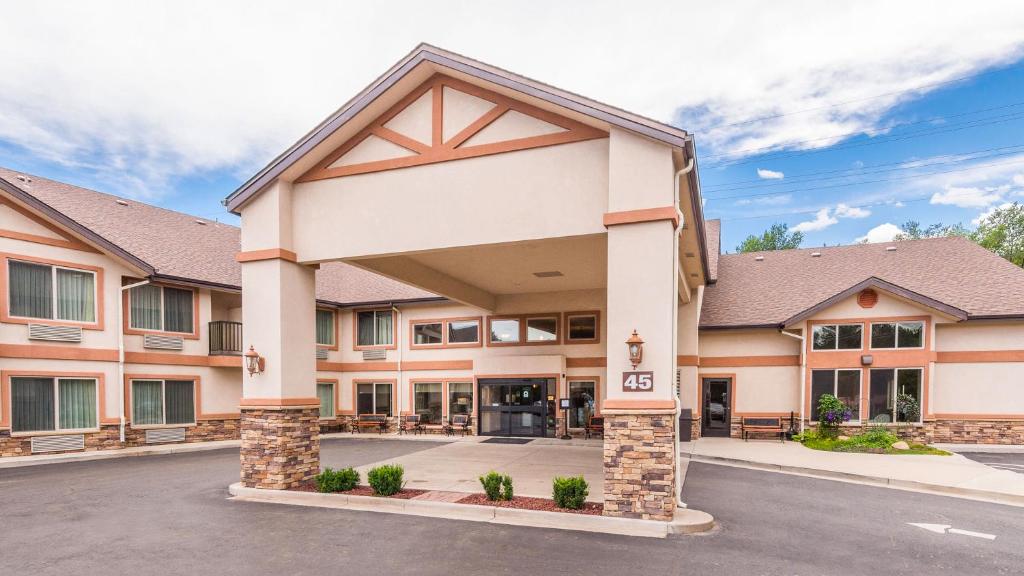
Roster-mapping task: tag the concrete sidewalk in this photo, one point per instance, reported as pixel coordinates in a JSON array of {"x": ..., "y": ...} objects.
[{"x": 952, "y": 475}]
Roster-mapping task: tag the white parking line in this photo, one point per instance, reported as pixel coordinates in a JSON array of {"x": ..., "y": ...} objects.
[{"x": 947, "y": 529}]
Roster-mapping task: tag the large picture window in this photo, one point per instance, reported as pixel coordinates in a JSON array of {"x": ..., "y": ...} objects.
[
  {"x": 49, "y": 404},
  {"x": 162, "y": 309},
  {"x": 582, "y": 402},
  {"x": 373, "y": 398},
  {"x": 525, "y": 329},
  {"x": 837, "y": 337},
  {"x": 375, "y": 328},
  {"x": 460, "y": 398},
  {"x": 897, "y": 335},
  {"x": 843, "y": 384},
  {"x": 325, "y": 328},
  {"x": 463, "y": 331},
  {"x": 325, "y": 393},
  {"x": 427, "y": 401},
  {"x": 50, "y": 292},
  {"x": 158, "y": 402},
  {"x": 895, "y": 395}
]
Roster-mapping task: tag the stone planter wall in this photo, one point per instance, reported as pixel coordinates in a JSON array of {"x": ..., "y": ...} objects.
[{"x": 280, "y": 446}]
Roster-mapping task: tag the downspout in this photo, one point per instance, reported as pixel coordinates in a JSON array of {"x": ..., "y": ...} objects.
[
  {"x": 398, "y": 343},
  {"x": 675, "y": 328},
  {"x": 120, "y": 353},
  {"x": 803, "y": 374}
]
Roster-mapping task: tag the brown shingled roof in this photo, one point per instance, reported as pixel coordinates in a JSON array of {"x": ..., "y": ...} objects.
[
  {"x": 713, "y": 235},
  {"x": 953, "y": 271},
  {"x": 175, "y": 245}
]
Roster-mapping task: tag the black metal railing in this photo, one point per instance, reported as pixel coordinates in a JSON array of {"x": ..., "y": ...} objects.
[{"x": 225, "y": 338}]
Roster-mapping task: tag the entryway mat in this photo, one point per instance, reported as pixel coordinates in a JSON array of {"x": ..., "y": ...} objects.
[{"x": 507, "y": 441}]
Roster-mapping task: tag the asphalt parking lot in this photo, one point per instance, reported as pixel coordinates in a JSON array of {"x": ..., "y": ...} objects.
[
  {"x": 1001, "y": 461},
  {"x": 171, "y": 515}
]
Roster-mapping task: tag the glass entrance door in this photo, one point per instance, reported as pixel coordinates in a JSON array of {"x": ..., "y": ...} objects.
[
  {"x": 514, "y": 407},
  {"x": 716, "y": 417}
]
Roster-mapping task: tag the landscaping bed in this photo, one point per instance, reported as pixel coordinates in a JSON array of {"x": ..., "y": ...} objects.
[
  {"x": 871, "y": 442},
  {"x": 403, "y": 494},
  {"x": 528, "y": 503}
]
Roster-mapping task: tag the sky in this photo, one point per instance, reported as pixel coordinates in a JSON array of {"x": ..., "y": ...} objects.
[{"x": 841, "y": 120}]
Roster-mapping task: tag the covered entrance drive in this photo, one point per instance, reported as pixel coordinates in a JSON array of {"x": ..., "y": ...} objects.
[{"x": 516, "y": 407}]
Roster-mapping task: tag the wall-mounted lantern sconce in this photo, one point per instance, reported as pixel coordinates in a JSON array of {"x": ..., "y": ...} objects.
[
  {"x": 635, "y": 345},
  {"x": 254, "y": 363}
]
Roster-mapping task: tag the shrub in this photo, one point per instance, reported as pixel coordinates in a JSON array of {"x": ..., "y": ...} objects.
[
  {"x": 570, "y": 493},
  {"x": 336, "y": 480},
  {"x": 831, "y": 413},
  {"x": 386, "y": 480},
  {"x": 497, "y": 486}
]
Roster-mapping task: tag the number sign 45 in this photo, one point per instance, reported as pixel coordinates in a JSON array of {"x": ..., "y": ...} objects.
[{"x": 637, "y": 381}]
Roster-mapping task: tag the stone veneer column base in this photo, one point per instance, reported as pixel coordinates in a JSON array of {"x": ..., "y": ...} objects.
[
  {"x": 639, "y": 465},
  {"x": 280, "y": 446}
]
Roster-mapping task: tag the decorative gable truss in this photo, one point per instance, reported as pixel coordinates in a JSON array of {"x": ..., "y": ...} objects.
[{"x": 447, "y": 119}]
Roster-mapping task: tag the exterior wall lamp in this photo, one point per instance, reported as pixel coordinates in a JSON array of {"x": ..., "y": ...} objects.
[
  {"x": 254, "y": 363},
  {"x": 635, "y": 345}
]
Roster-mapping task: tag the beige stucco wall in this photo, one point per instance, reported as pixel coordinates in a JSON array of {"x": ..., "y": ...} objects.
[
  {"x": 980, "y": 335},
  {"x": 887, "y": 306},
  {"x": 739, "y": 343},
  {"x": 978, "y": 388}
]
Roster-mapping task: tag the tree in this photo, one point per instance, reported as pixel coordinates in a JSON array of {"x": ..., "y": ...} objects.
[
  {"x": 912, "y": 230},
  {"x": 778, "y": 237},
  {"x": 1002, "y": 231}
]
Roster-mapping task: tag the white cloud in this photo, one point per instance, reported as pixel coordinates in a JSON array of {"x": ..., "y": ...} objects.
[
  {"x": 821, "y": 221},
  {"x": 1019, "y": 179},
  {"x": 984, "y": 215},
  {"x": 881, "y": 233},
  {"x": 138, "y": 94},
  {"x": 766, "y": 174},
  {"x": 967, "y": 197},
  {"x": 844, "y": 211}
]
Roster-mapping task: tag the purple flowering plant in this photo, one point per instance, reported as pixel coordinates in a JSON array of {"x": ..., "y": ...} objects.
[{"x": 831, "y": 413}]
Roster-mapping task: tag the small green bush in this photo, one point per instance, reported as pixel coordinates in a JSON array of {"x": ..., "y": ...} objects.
[
  {"x": 497, "y": 486},
  {"x": 831, "y": 413},
  {"x": 336, "y": 480},
  {"x": 570, "y": 493},
  {"x": 386, "y": 480}
]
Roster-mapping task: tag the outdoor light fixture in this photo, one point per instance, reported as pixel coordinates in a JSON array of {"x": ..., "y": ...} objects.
[
  {"x": 635, "y": 345},
  {"x": 254, "y": 363}
]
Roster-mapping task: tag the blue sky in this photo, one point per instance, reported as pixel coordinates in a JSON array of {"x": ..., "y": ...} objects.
[{"x": 808, "y": 113}]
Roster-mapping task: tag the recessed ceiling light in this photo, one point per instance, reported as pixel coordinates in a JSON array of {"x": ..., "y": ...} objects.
[{"x": 548, "y": 274}]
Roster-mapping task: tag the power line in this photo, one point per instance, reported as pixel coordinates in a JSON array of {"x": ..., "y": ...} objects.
[{"x": 883, "y": 95}]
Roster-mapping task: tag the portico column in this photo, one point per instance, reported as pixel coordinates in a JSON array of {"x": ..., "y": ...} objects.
[
  {"x": 639, "y": 410},
  {"x": 279, "y": 407}
]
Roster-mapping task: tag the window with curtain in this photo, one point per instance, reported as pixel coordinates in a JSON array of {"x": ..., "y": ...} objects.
[
  {"x": 582, "y": 402},
  {"x": 460, "y": 398},
  {"x": 427, "y": 401},
  {"x": 325, "y": 392},
  {"x": 48, "y": 404},
  {"x": 325, "y": 327},
  {"x": 31, "y": 292},
  {"x": 374, "y": 328},
  {"x": 373, "y": 398},
  {"x": 156, "y": 402},
  {"x": 162, "y": 308}
]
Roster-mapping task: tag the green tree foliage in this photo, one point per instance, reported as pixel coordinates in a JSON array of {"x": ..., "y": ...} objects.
[
  {"x": 1001, "y": 231},
  {"x": 778, "y": 237}
]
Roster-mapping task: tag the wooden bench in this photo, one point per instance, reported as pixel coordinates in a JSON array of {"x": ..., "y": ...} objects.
[
  {"x": 595, "y": 427},
  {"x": 762, "y": 425},
  {"x": 410, "y": 424},
  {"x": 438, "y": 427},
  {"x": 459, "y": 423},
  {"x": 378, "y": 421}
]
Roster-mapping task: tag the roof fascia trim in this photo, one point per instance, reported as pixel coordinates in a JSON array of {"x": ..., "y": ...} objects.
[{"x": 875, "y": 282}]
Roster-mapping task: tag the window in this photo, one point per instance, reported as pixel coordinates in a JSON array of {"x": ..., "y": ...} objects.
[
  {"x": 843, "y": 384},
  {"x": 51, "y": 292},
  {"x": 837, "y": 337},
  {"x": 460, "y": 398},
  {"x": 428, "y": 334},
  {"x": 463, "y": 332},
  {"x": 49, "y": 404},
  {"x": 374, "y": 328},
  {"x": 582, "y": 402},
  {"x": 542, "y": 329},
  {"x": 581, "y": 327},
  {"x": 162, "y": 308},
  {"x": 157, "y": 402},
  {"x": 897, "y": 335},
  {"x": 427, "y": 401},
  {"x": 325, "y": 392},
  {"x": 325, "y": 328},
  {"x": 505, "y": 331},
  {"x": 373, "y": 398},
  {"x": 895, "y": 395}
]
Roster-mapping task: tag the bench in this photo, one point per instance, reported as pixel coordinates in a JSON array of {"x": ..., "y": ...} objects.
[
  {"x": 595, "y": 427},
  {"x": 410, "y": 424},
  {"x": 434, "y": 427},
  {"x": 762, "y": 425},
  {"x": 378, "y": 421},
  {"x": 458, "y": 423}
]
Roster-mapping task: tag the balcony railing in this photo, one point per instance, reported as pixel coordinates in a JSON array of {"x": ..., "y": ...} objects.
[{"x": 225, "y": 338}]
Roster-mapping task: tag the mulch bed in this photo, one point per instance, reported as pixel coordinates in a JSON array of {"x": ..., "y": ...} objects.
[
  {"x": 404, "y": 494},
  {"x": 527, "y": 503}
]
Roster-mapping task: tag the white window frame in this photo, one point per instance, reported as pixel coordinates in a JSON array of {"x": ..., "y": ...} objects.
[
  {"x": 893, "y": 390},
  {"x": 597, "y": 327},
  {"x": 835, "y": 387},
  {"x": 56, "y": 406},
  {"x": 447, "y": 392},
  {"x": 334, "y": 329},
  {"x": 161, "y": 315},
  {"x": 836, "y": 325},
  {"x": 443, "y": 331},
  {"x": 334, "y": 399},
  {"x": 519, "y": 320},
  {"x": 896, "y": 342},
  {"x": 378, "y": 345},
  {"x": 558, "y": 329},
  {"x": 163, "y": 403},
  {"x": 447, "y": 332},
  {"x": 53, "y": 291}
]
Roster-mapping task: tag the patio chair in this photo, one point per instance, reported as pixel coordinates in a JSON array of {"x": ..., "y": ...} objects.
[
  {"x": 410, "y": 424},
  {"x": 458, "y": 423}
]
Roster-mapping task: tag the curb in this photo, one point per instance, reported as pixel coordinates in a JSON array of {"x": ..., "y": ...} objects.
[
  {"x": 938, "y": 489},
  {"x": 686, "y": 522}
]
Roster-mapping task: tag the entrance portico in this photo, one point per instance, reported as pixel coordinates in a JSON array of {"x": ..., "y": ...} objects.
[{"x": 510, "y": 197}]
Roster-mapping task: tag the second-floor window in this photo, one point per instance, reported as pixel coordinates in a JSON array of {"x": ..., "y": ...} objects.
[
  {"x": 897, "y": 335},
  {"x": 51, "y": 292},
  {"x": 162, "y": 309},
  {"x": 325, "y": 328},
  {"x": 837, "y": 337},
  {"x": 374, "y": 328}
]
